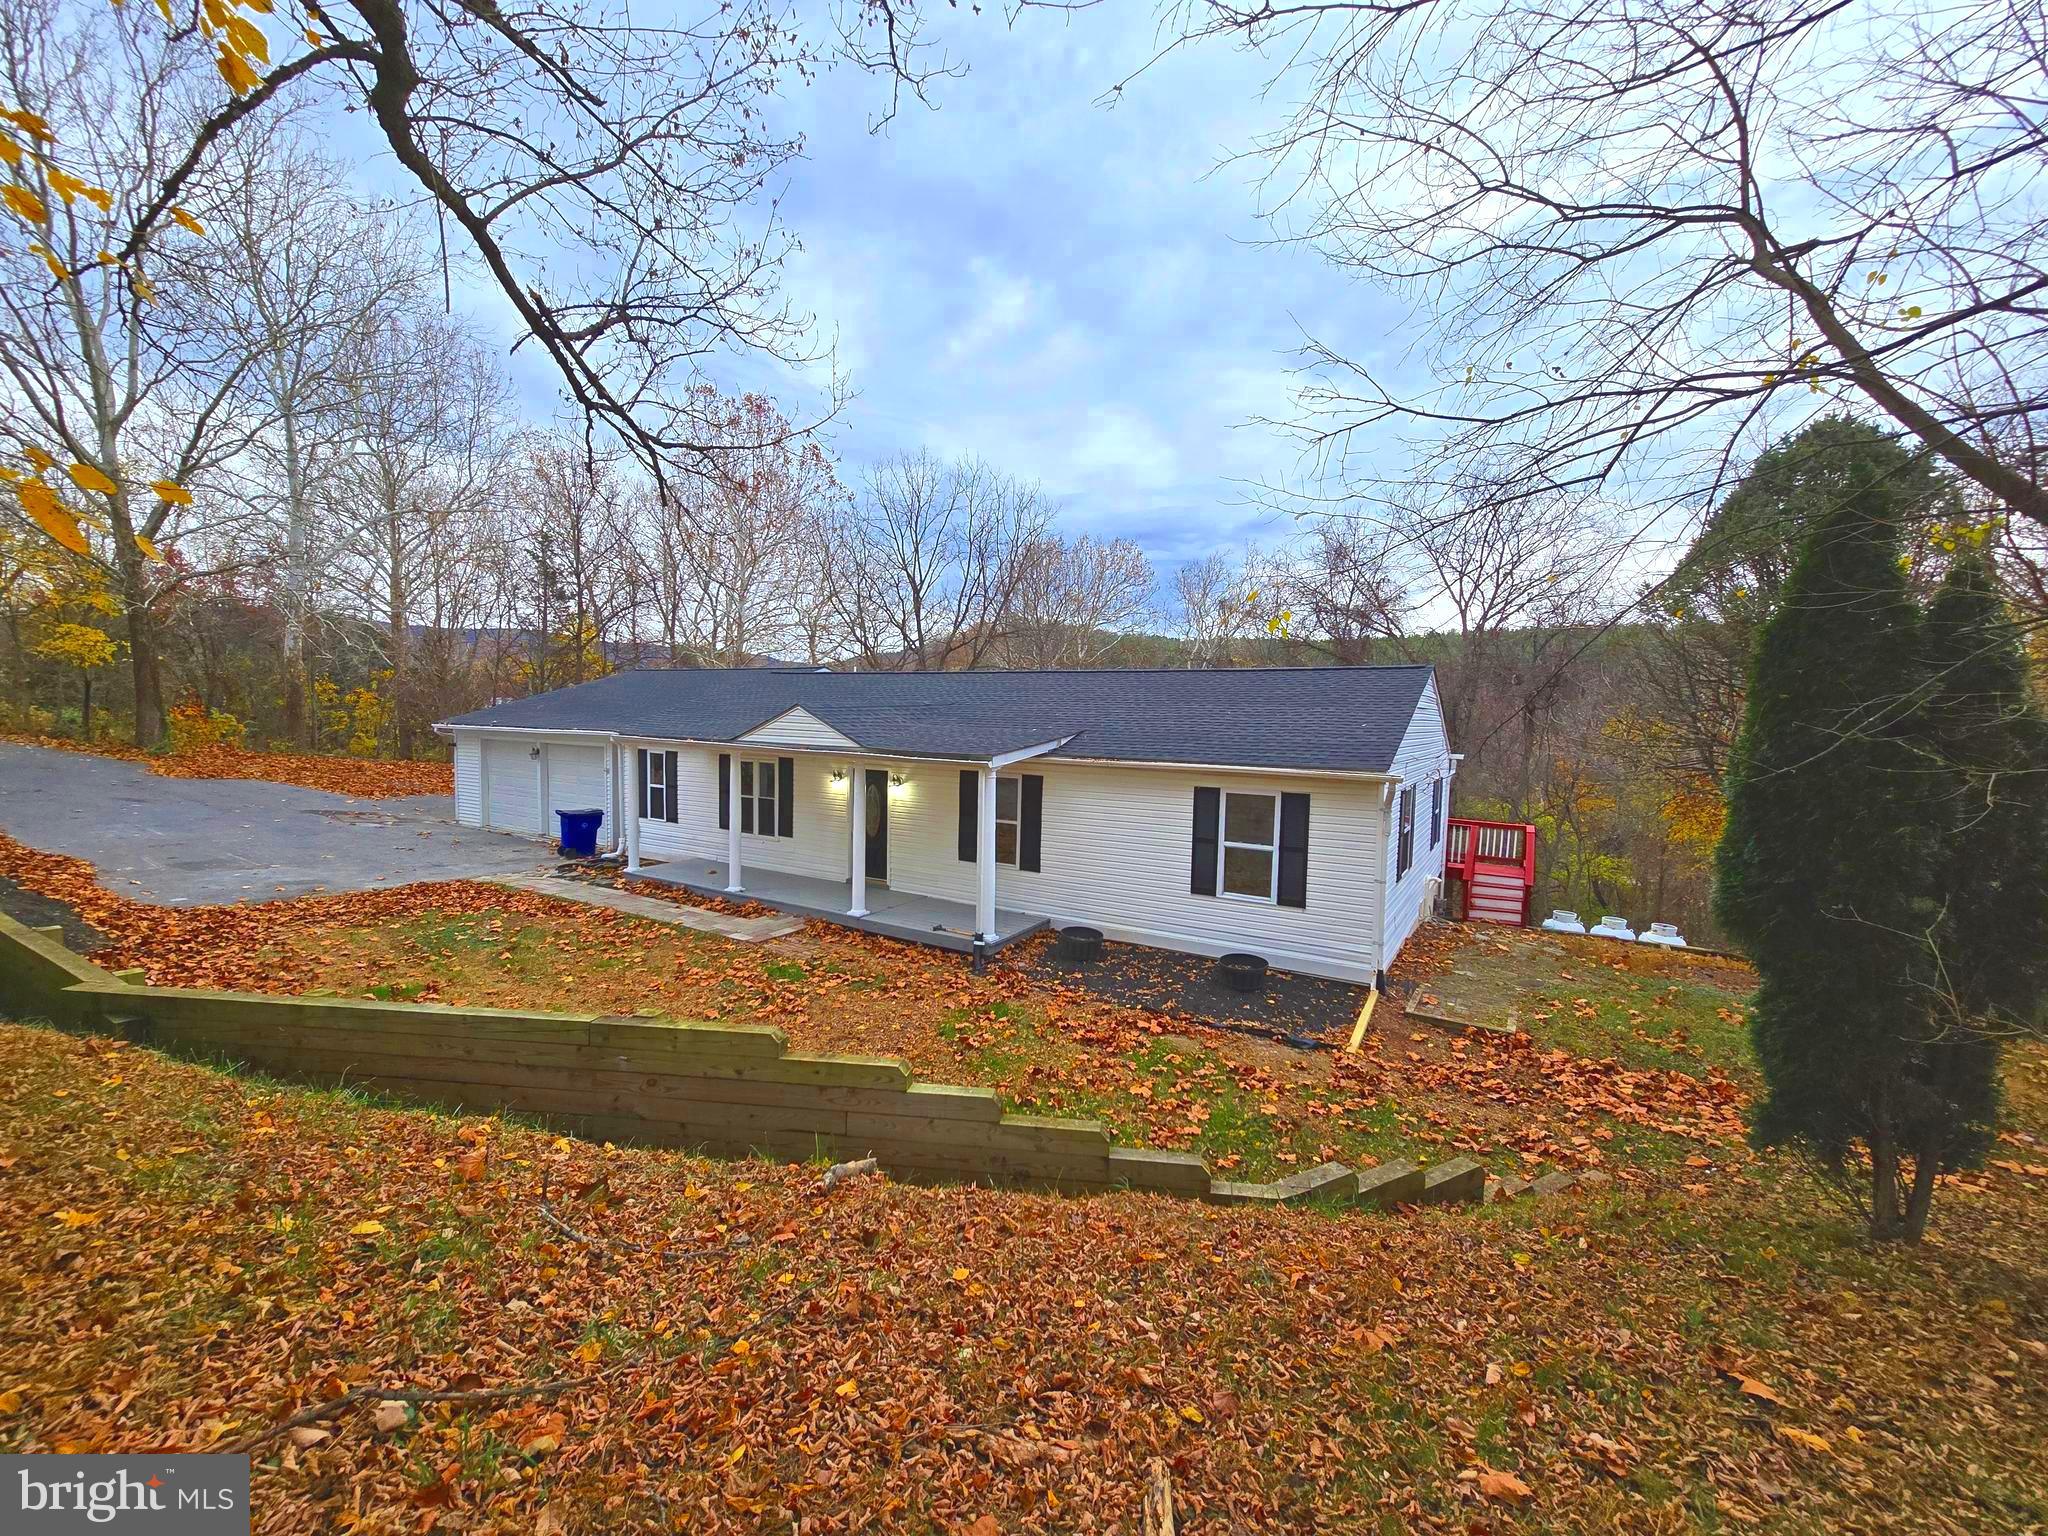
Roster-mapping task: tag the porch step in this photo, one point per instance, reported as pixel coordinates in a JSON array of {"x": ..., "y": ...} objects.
[{"x": 1497, "y": 897}]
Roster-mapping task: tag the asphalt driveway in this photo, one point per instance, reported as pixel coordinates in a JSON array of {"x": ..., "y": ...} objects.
[{"x": 202, "y": 842}]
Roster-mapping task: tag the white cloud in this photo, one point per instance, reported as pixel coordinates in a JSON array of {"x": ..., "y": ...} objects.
[{"x": 1001, "y": 305}]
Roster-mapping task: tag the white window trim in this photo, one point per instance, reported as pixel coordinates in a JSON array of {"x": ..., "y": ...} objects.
[
  {"x": 1224, "y": 845},
  {"x": 773, "y": 770},
  {"x": 657, "y": 765},
  {"x": 1017, "y": 821}
]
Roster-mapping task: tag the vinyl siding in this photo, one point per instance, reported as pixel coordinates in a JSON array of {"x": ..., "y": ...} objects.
[
  {"x": 822, "y": 837},
  {"x": 1424, "y": 757},
  {"x": 469, "y": 781},
  {"x": 801, "y": 728},
  {"x": 1115, "y": 851}
]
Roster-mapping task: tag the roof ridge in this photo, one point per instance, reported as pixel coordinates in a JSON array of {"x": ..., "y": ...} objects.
[{"x": 1377, "y": 666}]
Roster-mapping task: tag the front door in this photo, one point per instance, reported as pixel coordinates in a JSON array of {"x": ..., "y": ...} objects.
[{"x": 878, "y": 824}]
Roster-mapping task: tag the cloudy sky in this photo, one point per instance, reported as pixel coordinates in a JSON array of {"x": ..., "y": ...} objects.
[{"x": 1078, "y": 294}]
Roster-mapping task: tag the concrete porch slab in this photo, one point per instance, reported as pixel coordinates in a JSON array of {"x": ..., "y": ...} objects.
[
  {"x": 893, "y": 914},
  {"x": 747, "y": 930}
]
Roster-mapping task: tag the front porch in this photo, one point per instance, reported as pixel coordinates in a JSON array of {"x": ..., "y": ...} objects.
[{"x": 892, "y": 914}]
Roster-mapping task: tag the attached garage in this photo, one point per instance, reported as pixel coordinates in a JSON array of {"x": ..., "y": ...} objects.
[
  {"x": 512, "y": 787},
  {"x": 577, "y": 782},
  {"x": 526, "y": 779}
]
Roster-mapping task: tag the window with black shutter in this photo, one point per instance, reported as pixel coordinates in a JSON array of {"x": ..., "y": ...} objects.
[
  {"x": 1436, "y": 813},
  {"x": 767, "y": 778},
  {"x": 655, "y": 785},
  {"x": 1405, "y": 850},
  {"x": 1009, "y": 815}
]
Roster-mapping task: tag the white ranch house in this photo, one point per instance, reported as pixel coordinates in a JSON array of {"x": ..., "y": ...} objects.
[{"x": 1295, "y": 813}]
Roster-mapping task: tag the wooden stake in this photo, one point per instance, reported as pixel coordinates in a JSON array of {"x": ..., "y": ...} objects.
[
  {"x": 1158, "y": 1509},
  {"x": 1372, "y": 998}
]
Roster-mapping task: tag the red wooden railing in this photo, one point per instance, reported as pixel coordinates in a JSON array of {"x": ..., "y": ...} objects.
[{"x": 1496, "y": 860}]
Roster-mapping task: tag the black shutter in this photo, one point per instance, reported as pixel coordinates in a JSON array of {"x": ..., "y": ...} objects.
[
  {"x": 668, "y": 790},
  {"x": 1293, "y": 851},
  {"x": 970, "y": 812},
  {"x": 1030, "y": 813},
  {"x": 724, "y": 791},
  {"x": 1436, "y": 812},
  {"x": 785, "y": 796},
  {"x": 640, "y": 779},
  {"x": 746, "y": 795},
  {"x": 1208, "y": 818}
]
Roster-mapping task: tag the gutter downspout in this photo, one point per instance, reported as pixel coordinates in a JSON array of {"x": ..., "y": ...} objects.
[{"x": 1388, "y": 791}]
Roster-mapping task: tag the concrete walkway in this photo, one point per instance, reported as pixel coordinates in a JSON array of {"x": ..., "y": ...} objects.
[
  {"x": 747, "y": 930},
  {"x": 205, "y": 842}
]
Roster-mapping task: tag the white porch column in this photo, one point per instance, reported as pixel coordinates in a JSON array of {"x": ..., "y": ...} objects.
[
  {"x": 985, "y": 859},
  {"x": 857, "y": 808},
  {"x": 629, "y": 808},
  {"x": 732, "y": 824}
]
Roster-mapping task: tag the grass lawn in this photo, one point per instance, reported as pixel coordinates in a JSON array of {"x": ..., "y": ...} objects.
[
  {"x": 1623, "y": 1052},
  {"x": 188, "y": 1257}
]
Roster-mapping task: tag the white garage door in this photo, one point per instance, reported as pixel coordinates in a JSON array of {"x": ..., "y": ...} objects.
[
  {"x": 576, "y": 782},
  {"x": 514, "y": 787}
]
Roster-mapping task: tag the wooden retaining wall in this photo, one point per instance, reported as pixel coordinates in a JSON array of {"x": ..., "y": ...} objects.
[{"x": 732, "y": 1089}]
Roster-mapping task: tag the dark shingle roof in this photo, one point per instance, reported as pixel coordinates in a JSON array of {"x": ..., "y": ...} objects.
[{"x": 1345, "y": 719}]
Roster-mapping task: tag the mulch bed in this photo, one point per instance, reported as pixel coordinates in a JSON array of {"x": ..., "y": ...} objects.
[{"x": 1167, "y": 982}]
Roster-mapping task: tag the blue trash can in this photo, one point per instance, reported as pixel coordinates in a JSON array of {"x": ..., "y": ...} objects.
[{"x": 579, "y": 833}]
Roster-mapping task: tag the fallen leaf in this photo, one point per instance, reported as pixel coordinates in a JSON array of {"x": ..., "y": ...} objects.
[
  {"x": 1802, "y": 1438},
  {"x": 1503, "y": 1485}
]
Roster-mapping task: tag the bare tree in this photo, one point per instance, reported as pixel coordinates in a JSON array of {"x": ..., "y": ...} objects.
[
  {"x": 306, "y": 281},
  {"x": 424, "y": 424},
  {"x": 597, "y": 166},
  {"x": 1636, "y": 231},
  {"x": 729, "y": 563},
  {"x": 573, "y": 537},
  {"x": 1512, "y": 581},
  {"x": 1076, "y": 599},
  {"x": 1343, "y": 594},
  {"x": 927, "y": 565},
  {"x": 139, "y": 390},
  {"x": 1214, "y": 608}
]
